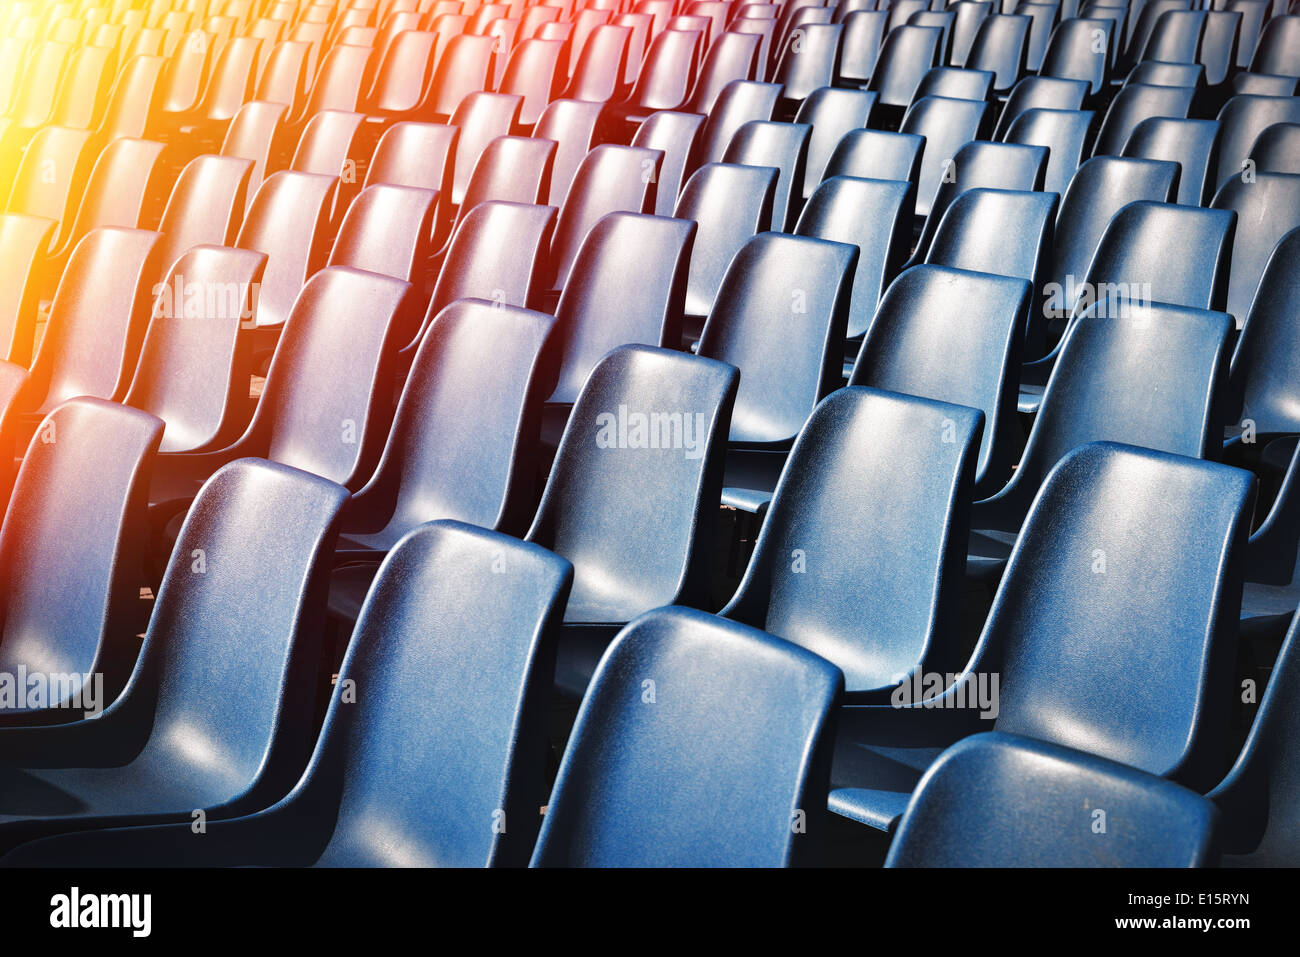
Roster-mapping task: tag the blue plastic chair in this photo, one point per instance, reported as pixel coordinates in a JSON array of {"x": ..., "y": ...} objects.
[
  {"x": 70, "y": 556},
  {"x": 1269, "y": 205},
  {"x": 431, "y": 753},
  {"x": 780, "y": 318},
  {"x": 1113, "y": 632},
  {"x": 954, "y": 336},
  {"x": 702, "y": 743},
  {"x": 1189, "y": 143},
  {"x": 642, "y": 454},
  {"x": 1002, "y": 800},
  {"x": 877, "y": 489},
  {"x": 1145, "y": 375},
  {"x": 234, "y": 632}
]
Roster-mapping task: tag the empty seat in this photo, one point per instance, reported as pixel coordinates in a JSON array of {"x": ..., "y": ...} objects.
[
  {"x": 480, "y": 118},
  {"x": 780, "y": 317},
  {"x": 873, "y": 215},
  {"x": 906, "y": 56},
  {"x": 206, "y": 206},
  {"x": 50, "y": 177},
  {"x": 1154, "y": 73},
  {"x": 869, "y": 472},
  {"x": 1264, "y": 84},
  {"x": 864, "y": 32},
  {"x": 1109, "y": 515},
  {"x": 609, "y": 179},
  {"x": 532, "y": 74},
  {"x": 628, "y": 286},
  {"x": 1278, "y": 52},
  {"x": 572, "y": 125},
  {"x": 1241, "y": 121},
  {"x": 1074, "y": 53},
  {"x": 196, "y": 357},
  {"x": 987, "y": 165},
  {"x": 956, "y": 83},
  {"x": 1001, "y": 46},
  {"x": 1189, "y": 143},
  {"x": 386, "y": 230},
  {"x": 1041, "y": 93},
  {"x": 954, "y": 336},
  {"x": 1266, "y": 362},
  {"x": 23, "y": 242},
  {"x": 675, "y": 135},
  {"x": 875, "y": 154},
  {"x": 476, "y": 266},
  {"x": 808, "y": 60},
  {"x": 97, "y": 319},
  {"x": 252, "y": 135},
  {"x": 415, "y": 154},
  {"x": 287, "y": 222},
  {"x": 831, "y": 113},
  {"x": 947, "y": 125},
  {"x": 618, "y": 795},
  {"x": 729, "y": 204},
  {"x": 70, "y": 556},
  {"x": 783, "y": 146},
  {"x": 1063, "y": 132},
  {"x": 1131, "y": 106},
  {"x": 1129, "y": 371},
  {"x": 1277, "y": 149},
  {"x": 512, "y": 169},
  {"x": 423, "y": 618},
  {"x": 237, "y": 639},
  {"x": 1003, "y": 800},
  {"x": 642, "y": 454},
  {"x": 321, "y": 409},
  {"x": 1267, "y": 207}
]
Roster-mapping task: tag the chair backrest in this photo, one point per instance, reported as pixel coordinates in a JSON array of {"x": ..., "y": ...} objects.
[
  {"x": 809, "y": 59},
  {"x": 1002, "y": 800},
  {"x": 872, "y": 477},
  {"x": 1266, "y": 363},
  {"x": 572, "y": 125},
  {"x": 1132, "y": 105},
  {"x": 601, "y": 65},
  {"x": 481, "y": 117},
  {"x": 440, "y": 463},
  {"x": 511, "y": 169},
  {"x": 240, "y": 638},
  {"x": 875, "y": 216},
  {"x": 97, "y": 319},
  {"x": 907, "y": 54},
  {"x": 982, "y": 164},
  {"x": 287, "y": 222},
  {"x": 1161, "y": 253},
  {"x": 205, "y": 207},
  {"x": 421, "y": 627},
  {"x": 783, "y": 146},
  {"x": 1074, "y": 54},
  {"x": 1189, "y": 143},
  {"x": 955, "y": 82},
  {"x": 757, "y": 713},
  {"x": 665, "y": 77},
  {"x": 477, "y": 265},
  {"x": 195, "y": 361},
  {"x": 324, "y": 408},
  {"x": 1144, "y": 375},
  {"x": 1277, "y": 50},
  {"x": 876, "y": 154},
  {"x": 386, "y": 230},
  {"x": 729, "y": 204},
  {"x": 610, "y": 179},
  {"x": 50, "y": 175},
  {"x": 1277, "y": 149},
  {"x": 462, "y": 69},
  {"x": 739, "y": 102},
  {"x": 947, "y": 125},
  {"x": 954, "y": 336},
  {"x": 628, "y": 285},
  {"x": 864, "y": 32},
  {"x": 252, "y": 135},
  {"x": 1241, "y": 121},
  {"x": 1268, "y": 207},
  {"x": 831, "y": 113},
  {"x": 1063, "y": 132},
  {"x": 1151, "y": 73},
  {"x": 1100, "y": 188},
  {"x": 531, "y": 73},
  {"x": 72, "y": 544},
  {"x": 642, "y": 453},
  {"x": 1001, "y": 46},
  {"x": 23, "y": 242},
  {"x": 780, "y": 317},
  {"x": 404, "y": 72},
  {"x": 1112, "y": 515},
  {"x": 733, "y": 57},
  {"x": 415, "y": 154},
  {"x": 1039, "y": 93},
  {"x": 675, "y": 135}
]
